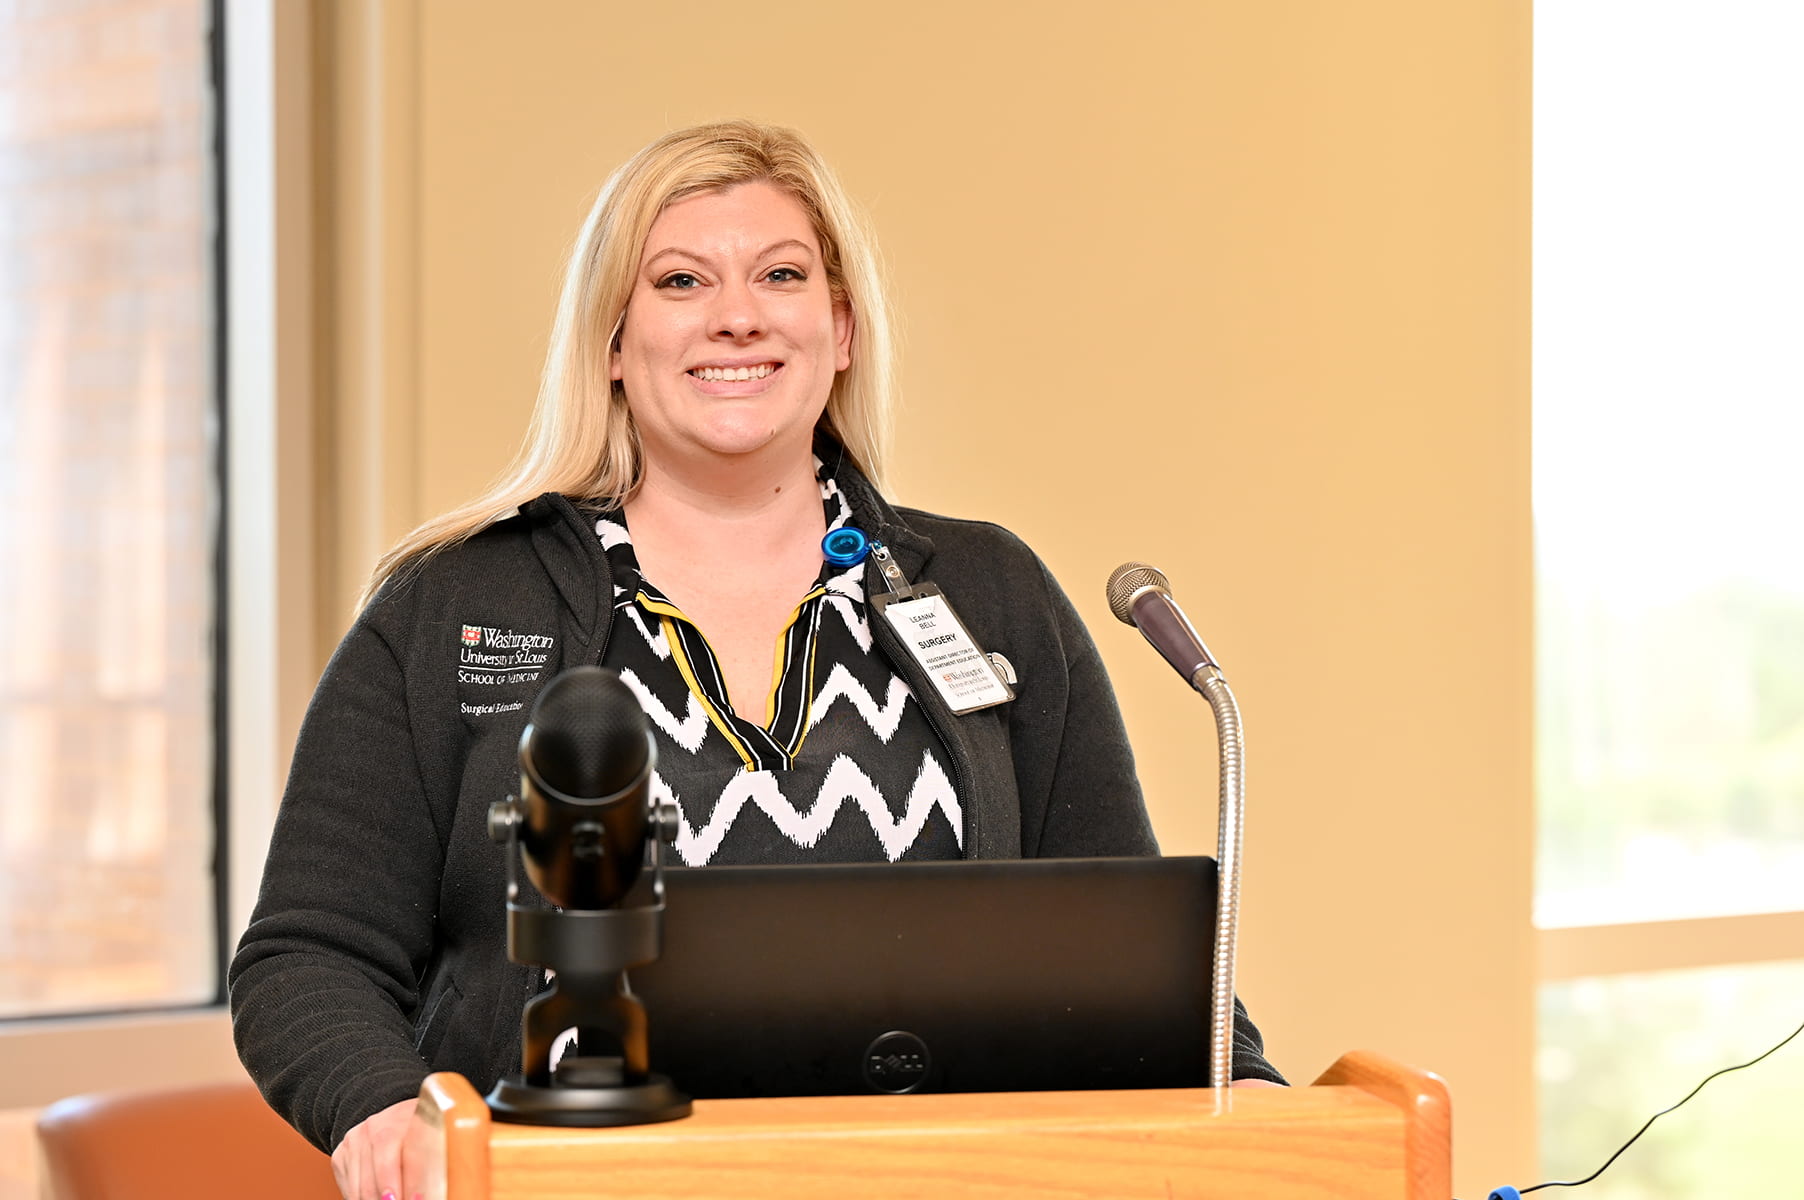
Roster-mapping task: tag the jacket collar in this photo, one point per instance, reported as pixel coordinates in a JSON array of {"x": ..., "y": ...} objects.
[
  {"x": 879, "y": 519},
  {"x": 565, "y": 541}
]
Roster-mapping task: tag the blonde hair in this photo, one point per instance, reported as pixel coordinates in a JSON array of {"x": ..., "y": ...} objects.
[{"x": 582, "y": 440}]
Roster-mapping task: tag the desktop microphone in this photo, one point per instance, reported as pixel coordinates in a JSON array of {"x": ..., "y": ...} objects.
[
  {"x": 585, "y": 830},
  {"x": 1140, "y": 596}
]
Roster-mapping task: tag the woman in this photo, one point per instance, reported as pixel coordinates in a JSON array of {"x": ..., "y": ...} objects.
[{"x": 714, "y": 403}]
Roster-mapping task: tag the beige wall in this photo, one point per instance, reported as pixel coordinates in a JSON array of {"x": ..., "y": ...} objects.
[{"x": 1237, "y": 288}]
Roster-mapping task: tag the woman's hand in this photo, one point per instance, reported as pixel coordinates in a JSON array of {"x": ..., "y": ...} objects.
[{"x": 367, "y": 1163}]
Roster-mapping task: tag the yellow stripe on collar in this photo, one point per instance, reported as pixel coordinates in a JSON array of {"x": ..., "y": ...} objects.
[{"x": 668, "y": 614}]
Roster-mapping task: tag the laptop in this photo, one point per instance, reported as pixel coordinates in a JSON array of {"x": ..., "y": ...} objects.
[{"x": 1042, "y": 974}]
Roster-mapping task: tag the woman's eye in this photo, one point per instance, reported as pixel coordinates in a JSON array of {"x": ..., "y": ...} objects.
[
  {"x": 786, "y": 275},
  {"x": 679, "y": 279}
]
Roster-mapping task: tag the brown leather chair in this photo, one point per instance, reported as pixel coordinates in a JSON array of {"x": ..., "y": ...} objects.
[{"x": 215, "y": 1142}]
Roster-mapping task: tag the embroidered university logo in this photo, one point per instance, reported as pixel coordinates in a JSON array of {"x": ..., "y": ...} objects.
[{"x": 487, "y": 656}]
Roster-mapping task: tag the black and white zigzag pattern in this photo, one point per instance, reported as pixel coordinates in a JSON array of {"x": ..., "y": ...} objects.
[
  {"x": 845, "y": 788},
  {"x": 869, "y": 780}
]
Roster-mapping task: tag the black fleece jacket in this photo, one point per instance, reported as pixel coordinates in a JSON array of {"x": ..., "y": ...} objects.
[{"x": 377, "y": 952}]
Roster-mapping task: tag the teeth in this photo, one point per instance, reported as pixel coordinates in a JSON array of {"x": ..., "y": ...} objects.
[{"x": 733, "y": 374}]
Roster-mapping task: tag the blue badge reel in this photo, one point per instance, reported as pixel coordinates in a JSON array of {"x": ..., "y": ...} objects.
[{"x": 846, "y": 546}]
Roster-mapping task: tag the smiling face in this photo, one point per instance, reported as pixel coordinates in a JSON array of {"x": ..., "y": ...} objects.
[{"x": 732, "y": 338}]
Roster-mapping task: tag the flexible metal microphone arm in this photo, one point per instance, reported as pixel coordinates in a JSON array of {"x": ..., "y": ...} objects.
[
  {"x": 1227, "y": 858},
  {"x": 1140, "y": 596}
]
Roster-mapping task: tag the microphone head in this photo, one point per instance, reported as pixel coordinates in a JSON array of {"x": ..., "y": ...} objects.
[
  {"x": 1128, "y": 582},
  {"x": 586, "y": 737},
  {"x": 585, "y": 789}
]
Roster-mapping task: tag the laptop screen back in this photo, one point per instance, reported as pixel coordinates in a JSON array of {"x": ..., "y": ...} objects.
[{"x": 953, "y": 977}]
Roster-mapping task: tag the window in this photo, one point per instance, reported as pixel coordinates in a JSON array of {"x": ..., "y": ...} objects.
[
  {"x": 1669, "y": 405},
  {"x": 108, "y": 495},
  {"x": 1618, "y": 1049}
]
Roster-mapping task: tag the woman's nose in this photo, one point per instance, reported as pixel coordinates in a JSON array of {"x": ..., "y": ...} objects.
[{"x": 738, "y": 314}]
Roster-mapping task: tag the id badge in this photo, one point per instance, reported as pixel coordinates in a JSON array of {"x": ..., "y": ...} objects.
[{"x": 945, "y": 649}]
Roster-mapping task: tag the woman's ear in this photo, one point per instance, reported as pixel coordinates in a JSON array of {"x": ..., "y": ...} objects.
[
  {"x": 844, "y": 324},
  {"x": 615, "y": 368}
]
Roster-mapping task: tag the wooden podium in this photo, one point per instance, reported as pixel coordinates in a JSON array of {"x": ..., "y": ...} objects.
[{"x": 1367, "y": 1129}]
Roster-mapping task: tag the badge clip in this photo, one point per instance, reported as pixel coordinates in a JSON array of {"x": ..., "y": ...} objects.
[{"x": 897, "y": 582}]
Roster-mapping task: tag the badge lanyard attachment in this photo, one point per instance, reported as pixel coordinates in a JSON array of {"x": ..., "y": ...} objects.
[
  {"x": 846, "y": 546},
  {"x": 899, "y": 587},
  {"x": 950, "y": 657}
]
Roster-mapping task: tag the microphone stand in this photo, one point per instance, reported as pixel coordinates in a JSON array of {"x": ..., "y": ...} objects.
[
  {"x": 590, "y": 952},
  {"x": 1208, "y": 680}
]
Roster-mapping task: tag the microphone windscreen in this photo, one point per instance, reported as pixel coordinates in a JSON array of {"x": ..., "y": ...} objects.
[
  {"x": 1127, "y": 582},
  {"x": 588, "y": 736}
]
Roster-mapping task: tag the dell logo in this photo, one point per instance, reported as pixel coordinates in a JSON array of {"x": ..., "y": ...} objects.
[{"x": 897, "y": 1062}]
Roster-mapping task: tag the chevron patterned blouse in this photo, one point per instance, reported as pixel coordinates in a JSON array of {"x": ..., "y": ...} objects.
[{"x": 847, "y": 769}]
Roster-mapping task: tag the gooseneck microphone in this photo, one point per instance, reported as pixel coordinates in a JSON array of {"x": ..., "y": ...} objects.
[{"x": 1140, "y": 596}]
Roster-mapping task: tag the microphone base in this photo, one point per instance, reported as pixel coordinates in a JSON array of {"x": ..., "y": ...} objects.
[{"x": 586, "y": 1104}]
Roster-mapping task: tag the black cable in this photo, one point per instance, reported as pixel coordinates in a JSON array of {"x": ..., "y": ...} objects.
[{"x": 1694, "y": 1091}]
